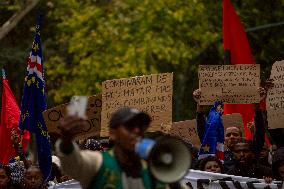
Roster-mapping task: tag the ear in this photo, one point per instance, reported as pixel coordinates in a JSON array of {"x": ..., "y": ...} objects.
[{"x": 112, "y": 134}]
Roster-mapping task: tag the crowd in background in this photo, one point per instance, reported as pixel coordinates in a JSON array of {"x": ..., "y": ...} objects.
[{"x": 242, "y": 157}]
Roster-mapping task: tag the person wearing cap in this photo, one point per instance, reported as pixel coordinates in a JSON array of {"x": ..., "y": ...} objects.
[{"x": 119, "y": 167}]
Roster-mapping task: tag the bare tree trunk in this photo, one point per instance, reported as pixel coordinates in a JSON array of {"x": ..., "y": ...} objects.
[{"x": 16, "y": 18}]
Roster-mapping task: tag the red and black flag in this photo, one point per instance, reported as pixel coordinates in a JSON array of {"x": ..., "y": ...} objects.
[{"x": 237, "y": 51}]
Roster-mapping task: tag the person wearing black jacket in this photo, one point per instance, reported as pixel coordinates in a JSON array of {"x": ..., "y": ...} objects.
[
  {"x": 245, "y": 165},
  {"x": 233, "y": 134}
]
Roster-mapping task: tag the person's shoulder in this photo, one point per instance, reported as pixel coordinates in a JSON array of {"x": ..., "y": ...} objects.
[
  {"x": 264, "y": 170},
  {"x": 16, "y": 186},
  {"x": 232, "y": 171},
  {"x": 228, "y": 152},
  {"x": 109, "y": 152},
  {"x": 92, "y": 153},
  {"x": 263, "y": 167}
]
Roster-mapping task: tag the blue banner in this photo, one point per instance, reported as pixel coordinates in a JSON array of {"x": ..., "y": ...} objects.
[{"x": 213, "y": 139}]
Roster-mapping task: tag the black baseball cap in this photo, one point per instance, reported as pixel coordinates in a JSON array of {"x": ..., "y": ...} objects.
[{"x": 126, "y": 115}]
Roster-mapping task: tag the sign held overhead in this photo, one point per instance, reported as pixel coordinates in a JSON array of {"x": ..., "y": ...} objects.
[
  {"x": 233, "y": 84},
  {"x": 148, "y": 93}
]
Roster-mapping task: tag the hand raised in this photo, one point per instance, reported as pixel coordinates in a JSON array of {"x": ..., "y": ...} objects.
[
  {"x": 70, "y": 126},
  {"x": 262, "y": 93},
  {"x": 14, "y": 138},
  {"x": 196, "y": 95}
]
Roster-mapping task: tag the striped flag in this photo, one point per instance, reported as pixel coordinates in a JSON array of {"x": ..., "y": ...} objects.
[{"x": 34, "y": 103}]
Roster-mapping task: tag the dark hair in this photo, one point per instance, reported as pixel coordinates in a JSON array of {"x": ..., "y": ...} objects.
[
  {"x": 125, "y": 116},
  {"x": 204, "y": 161},
  {"x": 34, "y": 166},
  {"x": 278, "y": 161},
  {"x": 245, "y": 141}
]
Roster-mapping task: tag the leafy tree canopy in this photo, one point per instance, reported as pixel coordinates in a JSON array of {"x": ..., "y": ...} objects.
[{"x": 114, "y": 39}]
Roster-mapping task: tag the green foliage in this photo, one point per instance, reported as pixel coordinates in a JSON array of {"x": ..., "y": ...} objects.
[
  {"x": 266, "y": 44},
  {"x": 118, "y": 39}
]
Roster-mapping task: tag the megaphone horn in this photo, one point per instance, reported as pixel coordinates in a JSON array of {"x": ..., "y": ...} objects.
[{"x": 168, "y": 158}]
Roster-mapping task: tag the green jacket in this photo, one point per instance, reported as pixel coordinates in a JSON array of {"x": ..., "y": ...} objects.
[{"x": 109, "y": 175}]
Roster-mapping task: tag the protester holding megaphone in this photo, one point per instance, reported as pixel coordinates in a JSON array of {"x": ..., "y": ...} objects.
[{"x": 120, "y": 167}]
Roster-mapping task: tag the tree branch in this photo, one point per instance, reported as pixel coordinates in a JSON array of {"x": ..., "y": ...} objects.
[{"x": 16, "y": 18}]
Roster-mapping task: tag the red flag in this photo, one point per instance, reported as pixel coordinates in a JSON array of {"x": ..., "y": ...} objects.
[
  {"x": 238, "y": 51},
  {"x": 10, "y": 116}
]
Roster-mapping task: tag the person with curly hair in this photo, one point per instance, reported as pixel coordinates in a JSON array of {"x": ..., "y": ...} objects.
[{"x": 211, "y": 164}]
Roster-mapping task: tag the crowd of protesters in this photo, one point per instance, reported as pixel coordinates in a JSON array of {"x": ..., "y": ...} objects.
[
  {"x": 247, "y": 158},
  {"x": 113, "y": 163}
]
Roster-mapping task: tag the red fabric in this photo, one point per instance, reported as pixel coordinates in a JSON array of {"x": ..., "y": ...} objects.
[
  {"x": 10, "y": 117},
  {"x": 220, "y": 155},
  {"x": 234, "y": 36},
  {"x": 235, "y": 41},
  {"x": 220, "y": 151}
]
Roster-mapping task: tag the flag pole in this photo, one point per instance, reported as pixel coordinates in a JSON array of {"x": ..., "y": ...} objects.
[{"x": 3, "y": 73}]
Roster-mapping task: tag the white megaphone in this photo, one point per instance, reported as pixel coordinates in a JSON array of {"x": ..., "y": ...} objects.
[{"x": 168, "y": 158}]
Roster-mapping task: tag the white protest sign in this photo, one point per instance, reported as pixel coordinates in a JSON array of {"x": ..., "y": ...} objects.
[{"x": 208, "y": 180}]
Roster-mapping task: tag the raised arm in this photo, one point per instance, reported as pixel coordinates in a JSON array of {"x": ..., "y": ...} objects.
[
  {"x": 259, "y": 133},
  {"x": 18, "y": 148},
  {"x": 200, "y": 116},
  {"x": 80, "y": 165}
]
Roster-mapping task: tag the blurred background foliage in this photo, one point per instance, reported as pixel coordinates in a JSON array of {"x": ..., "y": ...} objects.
[{"x": 88, "y": 41}]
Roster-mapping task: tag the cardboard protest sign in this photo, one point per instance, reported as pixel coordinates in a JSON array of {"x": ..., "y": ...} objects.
[
  {"x": 187, "y": 131},
  {"x": 148, "y": 93},
  {"x": 277, "y": 71},
  {"x": 233, "y": 84},
  {"x": 275, "y": 118},
  {"x": 52, "y": 117},
  {"x": 233, "y": 120},
  {"x": 275, "y": 97}
]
